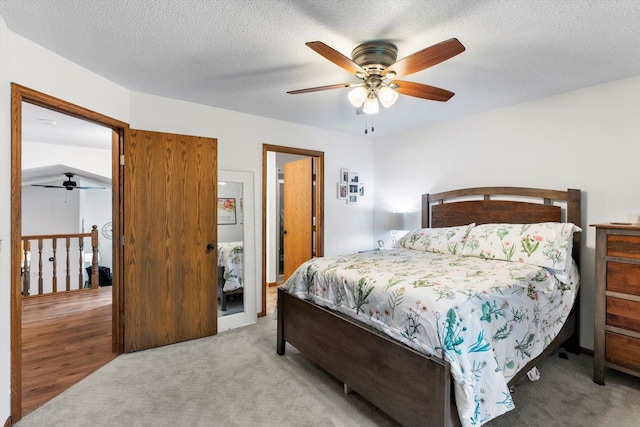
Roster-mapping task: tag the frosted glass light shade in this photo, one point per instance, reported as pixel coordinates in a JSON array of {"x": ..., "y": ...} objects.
[
  {"x": 387, "y": 96},
  {"x": 357, "y": 96},
  {"x": 371, "y": 106}
]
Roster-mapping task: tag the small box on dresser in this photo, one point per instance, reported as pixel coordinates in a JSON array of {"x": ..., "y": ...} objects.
[{"x": 617, "y": 300}]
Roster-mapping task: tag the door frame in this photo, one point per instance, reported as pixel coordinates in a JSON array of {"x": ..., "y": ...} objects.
[
  {"x": 318, "y": 202},
  {"x": 21, "y": 94}
]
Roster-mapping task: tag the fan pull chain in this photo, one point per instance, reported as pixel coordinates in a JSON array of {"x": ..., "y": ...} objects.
[{"x": 366, "y": 125}]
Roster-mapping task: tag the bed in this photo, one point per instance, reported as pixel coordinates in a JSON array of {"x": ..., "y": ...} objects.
[
  {"x": 230, "y": 270},
  {"x": 381, "y": 361}
]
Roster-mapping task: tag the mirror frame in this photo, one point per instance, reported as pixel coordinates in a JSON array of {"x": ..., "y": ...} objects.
[{"x": 249, "y": 315}]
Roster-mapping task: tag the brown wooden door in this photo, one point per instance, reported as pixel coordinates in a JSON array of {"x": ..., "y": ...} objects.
[
  {"x": 170, "y": 192},
  {"x": 298, "y": 214}
]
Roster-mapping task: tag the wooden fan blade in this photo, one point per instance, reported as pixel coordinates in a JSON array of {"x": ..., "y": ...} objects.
[
  {"x": 426, "y": 58},
  {"x": 336, "y": 57},
  {"x": 420, "y": 90},
  {"x": 319, "y": 88}
]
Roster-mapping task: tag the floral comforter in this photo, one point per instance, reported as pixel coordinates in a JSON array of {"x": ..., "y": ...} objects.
[
  {"x": 488, "y": 318},
  {"x": 231, "y": 257}
]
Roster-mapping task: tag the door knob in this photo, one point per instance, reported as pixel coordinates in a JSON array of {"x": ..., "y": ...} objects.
[{"x": 210, "y": 247}]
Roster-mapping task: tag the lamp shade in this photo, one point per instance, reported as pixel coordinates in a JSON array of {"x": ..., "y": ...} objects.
[
  {"x": 357, "y": 96},
  {"x": 397, "y": 221},
  {"x": 371, "y": 105},
  {"x": 387, "y": 96}
]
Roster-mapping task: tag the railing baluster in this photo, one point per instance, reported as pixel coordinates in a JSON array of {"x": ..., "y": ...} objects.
[
  {"x": 81, "y": 262},
  {"x": 40, "y": 290},
  {"x": 68, "y": 271},
  {"x": 54, "y": 281},
  {"x": 26, "y": 267},
  {"x": 94, "y": 259}
]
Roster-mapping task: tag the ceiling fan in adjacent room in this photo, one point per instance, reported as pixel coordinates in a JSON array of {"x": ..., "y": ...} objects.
[
  {"x": 69, "y": 184},
  {"x": 374, "y": 63}
]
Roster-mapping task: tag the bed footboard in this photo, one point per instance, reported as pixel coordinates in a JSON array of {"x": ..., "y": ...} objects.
[{"x": 411, "y": 387}]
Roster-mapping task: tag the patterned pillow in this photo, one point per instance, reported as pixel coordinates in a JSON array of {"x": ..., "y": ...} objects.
[
  {"x": 439, "y": 240},
  {"x": 546, "y": 244}
]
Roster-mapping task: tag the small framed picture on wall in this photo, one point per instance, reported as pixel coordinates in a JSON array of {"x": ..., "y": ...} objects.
[
  {"x": 343, "y": 190},
  {"x": 353, "y": 177},
  {"x": 344, "y": 175}
]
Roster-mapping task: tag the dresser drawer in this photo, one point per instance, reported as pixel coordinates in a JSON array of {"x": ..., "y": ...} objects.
[
  {"x": 623, "y": 246},
  {"x": 623, "y": 313},
  {"x": 623, "y": 351},
  {"x": 623, "y": 278}
]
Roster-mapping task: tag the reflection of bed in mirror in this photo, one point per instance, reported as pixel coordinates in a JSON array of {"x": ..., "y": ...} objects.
[{"x": 230, "y": 270}]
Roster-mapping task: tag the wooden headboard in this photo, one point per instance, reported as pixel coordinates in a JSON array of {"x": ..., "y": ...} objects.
[{"x": 529, "y": 205}]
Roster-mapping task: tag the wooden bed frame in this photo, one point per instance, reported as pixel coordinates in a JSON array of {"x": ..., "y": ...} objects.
[{"x": 382, "y": 370}]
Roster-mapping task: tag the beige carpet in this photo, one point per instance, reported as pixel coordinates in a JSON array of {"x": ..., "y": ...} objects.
[{"x": 237, "y": 379}]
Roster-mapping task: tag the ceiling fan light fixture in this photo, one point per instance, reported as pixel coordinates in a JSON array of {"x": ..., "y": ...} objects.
[
  {"x": 387, "y": 96},
  {"x": 371, "y": 106},
  {"x": 358, "y": 96}
]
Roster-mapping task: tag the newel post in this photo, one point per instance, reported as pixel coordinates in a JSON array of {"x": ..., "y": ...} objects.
[{"x": 94, "y": 260}]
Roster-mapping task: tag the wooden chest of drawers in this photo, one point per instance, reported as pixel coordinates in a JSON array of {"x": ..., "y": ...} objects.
[{"x": 617, "y": 300}]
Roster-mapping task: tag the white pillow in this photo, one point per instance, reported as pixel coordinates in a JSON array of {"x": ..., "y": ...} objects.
[
  {"x": 546, "y": 244},
  {"x": 439, "y": 240}
]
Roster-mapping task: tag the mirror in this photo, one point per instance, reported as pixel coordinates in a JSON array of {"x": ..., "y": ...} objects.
[{"x": 236, "y": 250}]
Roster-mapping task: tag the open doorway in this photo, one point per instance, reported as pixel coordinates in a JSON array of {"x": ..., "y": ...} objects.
[
  {"x": 295, "y": 221},
  {"x": 59, "y": 191},
  {"x": 66, "y": 194}
]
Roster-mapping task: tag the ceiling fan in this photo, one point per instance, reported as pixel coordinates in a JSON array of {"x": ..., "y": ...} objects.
[
  {"x": 375, "y": 64},
  {"x": 69, "y": 184}
]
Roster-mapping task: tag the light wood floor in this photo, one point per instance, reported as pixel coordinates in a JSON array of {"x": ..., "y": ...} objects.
[
  {"x": 65, "y": 337},
  {"x": 272, "y": 298}
]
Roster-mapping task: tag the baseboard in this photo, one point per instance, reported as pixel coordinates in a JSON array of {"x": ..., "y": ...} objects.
[
  {"x": 8, "y": 422},
  {"x": 586, "y": 351}
]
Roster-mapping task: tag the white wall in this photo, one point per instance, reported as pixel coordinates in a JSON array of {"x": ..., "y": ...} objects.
[
  {"x": 588, "y": 139},
  {"x": 5, "y": 226},
  {"x": 240, "y": 139}
]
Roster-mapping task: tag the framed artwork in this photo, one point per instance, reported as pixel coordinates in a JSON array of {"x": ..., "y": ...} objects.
[
  {"x": 226, "y": 211},
  {"x": 344, "y": 175},
  {"x": 353, "y": 177},
  {"x": 342, "y": 190},
  {"x": 361, "y": 190},
  {"x": 353, "y": 189},
  {"x": 352, "y": 199}
]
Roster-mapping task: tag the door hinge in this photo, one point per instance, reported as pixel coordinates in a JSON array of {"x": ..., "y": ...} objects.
[{"x": 122, "y": 160}]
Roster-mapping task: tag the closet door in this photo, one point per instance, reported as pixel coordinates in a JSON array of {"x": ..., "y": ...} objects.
[
  {"x": 170, "y": 233},
  {"x": 298, "y": 214}
]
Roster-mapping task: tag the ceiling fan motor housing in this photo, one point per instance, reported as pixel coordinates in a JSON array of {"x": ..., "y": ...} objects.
[{"x": 375, "y": 56}]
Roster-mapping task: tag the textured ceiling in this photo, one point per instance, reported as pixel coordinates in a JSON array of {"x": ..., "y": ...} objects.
[{"x": 244, "y": 55}]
